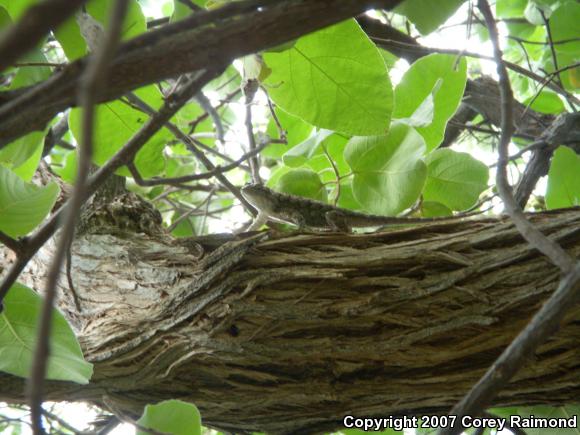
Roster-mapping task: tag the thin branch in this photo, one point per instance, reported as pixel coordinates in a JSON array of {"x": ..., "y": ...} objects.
[
  {"x": 228, "y": 32},
  {"x": 551, "y": 249},
  {"x": 190, "y": 5},
  {"x": 63, "y": 423},
  {"x": 548, "y": 318},
  {"x": 94, "y": 79},
  {"x": 203, "y": 176},
  {"x": 254, "y": 160},
  {"x": 191, "y": 145},
  {"x": 281, "y": 132},
  {"x": 533, "y": 146},
  {"x": 551, "y": 45},
  {"x": 527, "y": 41},
  {"x": 513, "y": 66},
  {"x": 228, "y": 98},
  {"x": 137, "y": 103},
  {"x": 12, "y": 244}
]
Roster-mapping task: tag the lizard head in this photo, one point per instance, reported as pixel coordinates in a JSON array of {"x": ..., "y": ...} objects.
[{"x": 257, "y": 195}]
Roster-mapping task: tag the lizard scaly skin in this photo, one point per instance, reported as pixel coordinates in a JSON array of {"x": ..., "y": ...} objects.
[{"x": 307, "y": 213}]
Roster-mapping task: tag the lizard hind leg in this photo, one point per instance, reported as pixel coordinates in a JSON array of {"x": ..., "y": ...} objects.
[{"x": 337, "y": 221}]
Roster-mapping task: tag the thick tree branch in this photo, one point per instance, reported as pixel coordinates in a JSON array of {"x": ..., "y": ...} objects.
[
  {"x": 200, "y": 41},
  {"x": 290, "y": 334},
  {"x": 34, "y": 25}
]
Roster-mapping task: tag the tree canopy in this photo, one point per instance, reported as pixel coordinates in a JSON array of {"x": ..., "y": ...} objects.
[{"x": 129, "y": 281}]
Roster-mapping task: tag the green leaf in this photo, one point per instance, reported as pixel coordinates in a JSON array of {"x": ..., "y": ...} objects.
[
  {"x": 302, "y": 152},
  {"x": 115, "y": 123},
  {"x": 296, "y": 131},
  {"x": 563, "y": 186},
  {"x": 172, "y": 417},
  {"x": 27, "y": 169},
  {"x": 5, "y": 19},
  {"x": 22, "y": 149},
  {"x": 434, "y": 209},
  {"x": 18, "y": 332},
  {"x": 388, "y": 170},
  {"x": 564, "y": 26},
  {"x": 510, "y": 8},
  {"x": 428, "y": 15},
  {"x": 423, "y": 115},
  {"x": 73, "y": 44},
  {"x": 434, "y": 75},
  {"x": 324, "y": 79},
  {"x": 16, "y": 8},
  {"x": 546, "y": 102},
  {"x": 23, "y": 206},
  {"x": 454, "y": 179},
  {"x": 302, "y": 182}
]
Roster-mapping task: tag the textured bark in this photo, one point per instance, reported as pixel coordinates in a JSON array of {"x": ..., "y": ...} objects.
[{"x": 288, "y": 333}]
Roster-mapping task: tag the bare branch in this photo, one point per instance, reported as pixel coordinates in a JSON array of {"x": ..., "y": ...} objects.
[
  {"x": 548, "y": 318},
  {"x": 552, "y": 250},
  {"x": 90, "y": 85}
]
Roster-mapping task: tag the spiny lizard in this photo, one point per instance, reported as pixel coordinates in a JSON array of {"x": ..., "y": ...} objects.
[{"x": 307, "y": 213}]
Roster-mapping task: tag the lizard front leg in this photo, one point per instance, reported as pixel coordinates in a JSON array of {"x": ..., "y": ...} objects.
[
  {"x": 259, "y": 220},
  {"x": 337, "y": 221},
  {"x": 296, "y": 218}
]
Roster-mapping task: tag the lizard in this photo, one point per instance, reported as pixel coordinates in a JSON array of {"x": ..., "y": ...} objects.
[{"x": 308, "y": 213}]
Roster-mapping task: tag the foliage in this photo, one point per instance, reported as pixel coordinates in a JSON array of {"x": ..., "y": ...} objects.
[
  {"x": 18, "y": 323},
  {"x": 172, "y": 416}
]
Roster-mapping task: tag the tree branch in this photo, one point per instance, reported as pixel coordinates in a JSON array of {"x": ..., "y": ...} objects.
[
  {"x": 34, "y": 25},
  {"x": 548, "y": 318},
  {"x": 209, "y": 38},
  {"x": 90, "y": 85}
]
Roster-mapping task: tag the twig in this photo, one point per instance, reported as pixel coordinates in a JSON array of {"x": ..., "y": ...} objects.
[
  {"x": 551, "y": 249},
  {"x": 32, "y": 64},
  {"x": 254, "y": 160},
  {"x": 188, "y": 178},
  {"x": 205, "y": 104},
  {"x": 548, "y": 318},
  {"x": 11, "y": 243},
  {"x": 228, "y": 98},
  {"x": 514, "y": 67},
  {"x": 137, "y": 103},
  {"x": 190, "y": 5},
  {"x": 551, "y": 45},
  {"x": 191, "y": 145},
  {"x": 281, "y": 131},
  {"x": 533, "y": 146},
  {"x": 89, "y": 89},
  {"x": 63, "y": 423}
]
